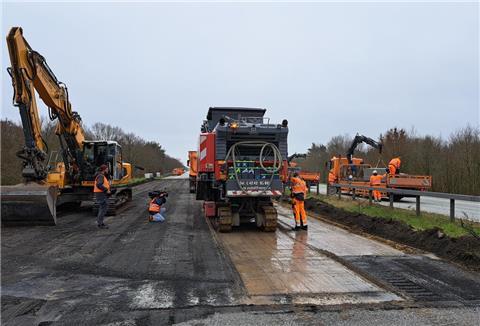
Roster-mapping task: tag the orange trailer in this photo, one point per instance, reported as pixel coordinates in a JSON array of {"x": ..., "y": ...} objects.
[{"x": 358, "y": 173}]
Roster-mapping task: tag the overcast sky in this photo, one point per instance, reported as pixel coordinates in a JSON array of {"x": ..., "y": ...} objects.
[{"x": 155, "y": 68}]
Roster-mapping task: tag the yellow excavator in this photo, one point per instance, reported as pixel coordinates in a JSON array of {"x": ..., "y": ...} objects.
[{"x": 63, "y": 177}]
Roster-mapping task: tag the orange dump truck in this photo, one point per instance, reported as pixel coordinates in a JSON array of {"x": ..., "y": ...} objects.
[
  {"x": 310, "y": 178},
  {"x": 193, "y": 170},
  {"x": 178, "y": 171}
]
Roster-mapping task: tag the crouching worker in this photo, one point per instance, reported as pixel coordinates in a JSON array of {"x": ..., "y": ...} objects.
[{"x": 155, "y": 209}]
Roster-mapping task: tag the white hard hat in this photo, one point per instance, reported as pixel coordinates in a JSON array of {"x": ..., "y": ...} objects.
[{"x": 375, "y": 172}]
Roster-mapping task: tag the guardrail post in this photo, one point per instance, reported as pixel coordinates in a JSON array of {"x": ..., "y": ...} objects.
[
  {"x": 370, "y": 196},
  {"x": 417, "y": 208},
  {"x": 391, "y": 200},
  {"x": 353, "y": 194},
  {"x": 452, "y": 209},
  {"x": 339, "y": 192}
]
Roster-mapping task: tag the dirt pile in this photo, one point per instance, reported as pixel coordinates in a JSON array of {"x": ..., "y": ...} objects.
[{"x": 464, "y": 250}]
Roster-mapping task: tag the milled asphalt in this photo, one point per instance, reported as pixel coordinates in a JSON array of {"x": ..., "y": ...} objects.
[{"x": 141, "y": 273}]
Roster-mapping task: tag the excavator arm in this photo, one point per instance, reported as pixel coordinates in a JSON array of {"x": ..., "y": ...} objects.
[
  {"x": 296, "y": 155},
  {"x": 34, "y": 202},
  {"x": 30, "y": 73},
  {"x": 362, "y": 139}
]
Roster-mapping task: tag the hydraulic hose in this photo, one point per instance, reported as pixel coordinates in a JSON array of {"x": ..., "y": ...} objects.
[{"x": 277, "y": 158}]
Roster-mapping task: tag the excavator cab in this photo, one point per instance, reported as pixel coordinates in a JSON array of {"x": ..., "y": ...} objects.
[{"x": 96, "y": 153}]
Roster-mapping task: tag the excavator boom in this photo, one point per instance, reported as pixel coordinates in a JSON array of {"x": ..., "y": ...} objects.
[
  {"x": 362, "y": 139},
  {"x": 34, "y": 202}
]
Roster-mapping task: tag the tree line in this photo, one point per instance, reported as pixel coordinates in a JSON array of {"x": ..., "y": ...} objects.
[
  {"x": 453, "y": 163},
  {"x": 145, "y": 156}
]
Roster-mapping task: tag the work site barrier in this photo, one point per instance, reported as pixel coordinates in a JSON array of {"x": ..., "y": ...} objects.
[{"x": 403, "y": 192}]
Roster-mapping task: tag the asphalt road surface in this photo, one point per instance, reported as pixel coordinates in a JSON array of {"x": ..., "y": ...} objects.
[
  {"x": 463, "y": 209},
  {"x": 182, "y": 271}
]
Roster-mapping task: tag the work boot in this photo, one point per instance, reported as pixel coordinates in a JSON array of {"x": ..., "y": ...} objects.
[
  {"x": 305, "y": 227},
  {"x": 103, "y": 226},
  {"x": 296, "y": 228}
]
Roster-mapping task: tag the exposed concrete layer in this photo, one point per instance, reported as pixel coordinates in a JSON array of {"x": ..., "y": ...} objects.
[
  {"x": 275, "y": 265},
  {"x": 338, "y": 241}
]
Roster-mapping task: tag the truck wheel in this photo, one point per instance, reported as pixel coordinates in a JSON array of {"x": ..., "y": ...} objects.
[
  {"x": 269, "y": 219},
  {"x": 224, "y": 219}
]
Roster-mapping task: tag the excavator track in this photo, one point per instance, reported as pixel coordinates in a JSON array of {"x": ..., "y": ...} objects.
[
  {"x": 224, "y": 219},
  {"x": 270, "y": 219},
  {"x": 113, "y": 203}
]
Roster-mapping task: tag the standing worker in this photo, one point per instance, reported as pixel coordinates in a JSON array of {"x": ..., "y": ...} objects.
[
  {"x": 298, "y": 194},
  {"x": 101, "y": 190},
  {"x": 331, "y": 181},
  {"x": 376, "y": 181},
  {"x": 331, "y": 177},
  {"x": 394, "y": 165}
]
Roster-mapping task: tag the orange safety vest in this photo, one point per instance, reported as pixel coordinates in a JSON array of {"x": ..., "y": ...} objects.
[
  {"x": 298, "y": 186},
  {"x": 154, "y": 207},
  {"x": 376, "y": 180},
  {"x": 331, "y": 177},
  {"x": 395, "y": 162},
  {"x": 106, "y": 184}
]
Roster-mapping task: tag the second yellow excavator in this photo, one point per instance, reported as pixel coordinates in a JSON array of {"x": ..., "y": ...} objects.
[{"x": 65, "y": 176}]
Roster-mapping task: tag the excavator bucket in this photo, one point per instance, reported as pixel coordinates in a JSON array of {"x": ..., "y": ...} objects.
[{"x": 29, "y": 205}]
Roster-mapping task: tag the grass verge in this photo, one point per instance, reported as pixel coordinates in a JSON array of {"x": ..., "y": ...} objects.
[{"x": 425, "y": 221}]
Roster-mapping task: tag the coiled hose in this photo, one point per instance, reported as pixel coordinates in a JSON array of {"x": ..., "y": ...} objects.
[{"x": 277, "y": 158}]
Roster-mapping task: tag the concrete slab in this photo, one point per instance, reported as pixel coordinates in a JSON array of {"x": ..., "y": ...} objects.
[
  {"x": 275, "y": 266},
  {"x": 336, "y": 240}
]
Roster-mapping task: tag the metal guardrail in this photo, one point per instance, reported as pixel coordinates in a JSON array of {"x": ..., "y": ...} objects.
[{"x": 405, "y": 192}]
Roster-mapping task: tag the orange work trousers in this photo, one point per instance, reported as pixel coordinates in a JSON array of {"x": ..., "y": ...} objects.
[
  {"x": 377, "y": 195},
  {"x": 299, "y": 211}
]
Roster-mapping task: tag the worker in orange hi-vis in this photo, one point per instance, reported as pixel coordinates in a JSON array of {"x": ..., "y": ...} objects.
[
  {"x": 331, "y": 177},
  {"x": 376, "y": 181},
  {"x": 298, "y": 194},
  {"x": 394, "y": 165}
]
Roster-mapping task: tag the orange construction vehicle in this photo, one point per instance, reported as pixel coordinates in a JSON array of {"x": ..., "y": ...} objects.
[
  {"x": 178, "y": 171},
  {"x": 55, "y": 178},
  {"x": 355, "y": 171},
  {"x": 193, "y": 170},
  {"x": 312, "y": 179},
  {"x": 242, "y": 166}
]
